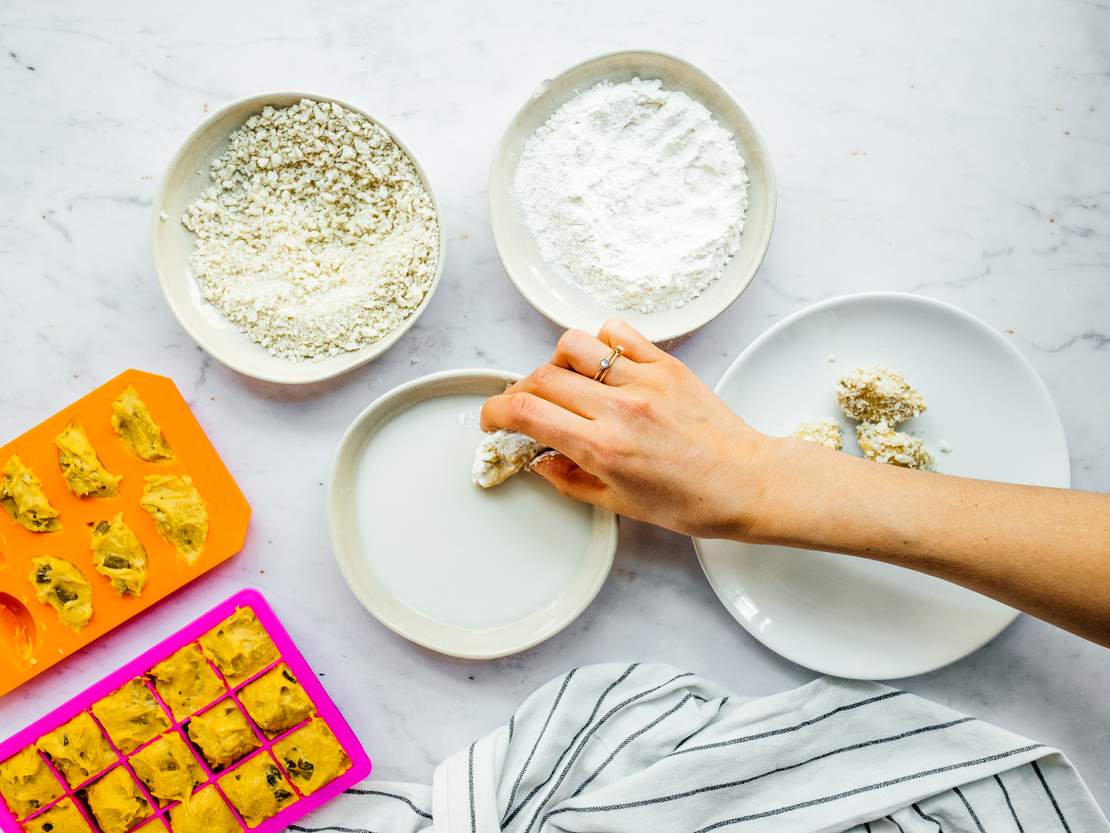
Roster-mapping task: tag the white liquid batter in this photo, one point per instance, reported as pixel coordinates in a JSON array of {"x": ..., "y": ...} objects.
[{"x": 465, "y": 556}]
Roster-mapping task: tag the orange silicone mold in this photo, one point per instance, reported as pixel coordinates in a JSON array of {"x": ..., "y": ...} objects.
[{"x": 32, "y": 638}]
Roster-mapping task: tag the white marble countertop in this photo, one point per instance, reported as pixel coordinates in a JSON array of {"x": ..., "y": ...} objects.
[{"x": 960, "y": 150}]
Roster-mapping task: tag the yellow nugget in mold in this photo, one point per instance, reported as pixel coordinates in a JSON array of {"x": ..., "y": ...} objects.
[
  {"x": 276, "y": 701},
  {"x": 61, "y": 585},
  {"x": 312, "y": 757},
  {"x": 179, "y": 512},
  {"x": 119, "y": 555},
  {"x": 82, "y": 470},
  {"x": 239, "y": 646},
  {"x": 205, "y": 812},
  {"x": 131, "y": 716},
  {"x": 257, "y": 789},
  {"x": 21, "y": 493},
  {"x": 167, "y": 768},
  {"x": 116, "y": 801},
  {"x": 222, "y": 734},
  {"x": 77, "y": 749},
  {"x": 186, "y": 682},
  {"x": 63, "y": 817},
  {"x": 137, "y": 429},
  {"x": 26, "y": 783}
]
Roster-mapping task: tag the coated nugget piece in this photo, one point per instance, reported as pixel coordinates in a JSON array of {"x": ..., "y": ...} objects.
[{"x": 877, "y": 394}]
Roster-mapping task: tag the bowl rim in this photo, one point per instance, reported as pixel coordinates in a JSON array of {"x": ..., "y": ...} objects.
[
  {"x": 535, "y": 298},
  {"x": 354, "y": 358},
  {"x": 376, "y": 410}
]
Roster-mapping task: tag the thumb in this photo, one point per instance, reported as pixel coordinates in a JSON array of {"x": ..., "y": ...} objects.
[{"x": 566, "y": 476}]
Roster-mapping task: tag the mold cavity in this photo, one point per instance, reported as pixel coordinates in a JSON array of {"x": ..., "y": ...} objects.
[{"x": 17, "y": 628}]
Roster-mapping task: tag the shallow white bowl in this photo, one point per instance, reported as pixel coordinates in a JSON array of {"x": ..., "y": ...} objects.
[
  {"x": 848, "y": 616},
  {"x": 435, "y": 624},
  {"x": 185, "y": 179},
  {"x": 546, "y": 286}
]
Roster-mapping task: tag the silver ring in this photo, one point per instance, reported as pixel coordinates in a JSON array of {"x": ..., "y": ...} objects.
[{"x": 606, "y": 363}]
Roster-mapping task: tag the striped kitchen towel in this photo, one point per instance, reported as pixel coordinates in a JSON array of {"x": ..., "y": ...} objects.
[{"x": 647, "y": 749}]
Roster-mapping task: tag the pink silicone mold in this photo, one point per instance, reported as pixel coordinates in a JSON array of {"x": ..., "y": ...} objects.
[{"x": 158, "y": 821}]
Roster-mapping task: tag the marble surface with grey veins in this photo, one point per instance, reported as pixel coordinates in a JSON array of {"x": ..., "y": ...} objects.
[{"x": 959, "y": 150}]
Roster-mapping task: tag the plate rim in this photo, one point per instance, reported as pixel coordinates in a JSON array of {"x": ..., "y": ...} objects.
[
  {"x": 495, "y": 651},
  {"x": 536, "y": 299},
  {"x": 353, "y": 359},
  {"x": 842, "y": 300}
]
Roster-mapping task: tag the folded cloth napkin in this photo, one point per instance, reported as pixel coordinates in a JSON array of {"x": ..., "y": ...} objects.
[{"x": 646, "y": 748}]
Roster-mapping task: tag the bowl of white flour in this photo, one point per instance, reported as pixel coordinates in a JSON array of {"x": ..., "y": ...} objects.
[
  {"x": 632, "y": 186},
  {"x": 295, "y": 237}
]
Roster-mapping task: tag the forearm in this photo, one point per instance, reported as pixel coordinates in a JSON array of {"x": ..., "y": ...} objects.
[{"x": 1046, "y": 551}]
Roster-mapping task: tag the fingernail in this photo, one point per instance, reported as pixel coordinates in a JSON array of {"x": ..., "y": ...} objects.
[{"x": 539, "y": 458}]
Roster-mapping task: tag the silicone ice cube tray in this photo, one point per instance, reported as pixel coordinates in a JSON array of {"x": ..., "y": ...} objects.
[
  {"x": 158, "y": 819},
  {"x": 32, "y": 638}
]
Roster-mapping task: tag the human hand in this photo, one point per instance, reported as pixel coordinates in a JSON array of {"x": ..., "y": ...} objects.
[{"x": 651, "y": 442}]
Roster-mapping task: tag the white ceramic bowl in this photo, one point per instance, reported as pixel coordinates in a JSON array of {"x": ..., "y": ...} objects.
[
  {"x": 545, "y": 286},
  {"x": 442, "y": 562},
  {"x": 849, "y": 616},
  {"x": 185, "y": 179}
]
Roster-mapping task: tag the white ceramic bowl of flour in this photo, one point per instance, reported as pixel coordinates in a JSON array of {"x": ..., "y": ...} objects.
[
  {"x": 185, "y": 179},
  {"x": 547, "y": 286},
  {"x": 470, "y": 572}
]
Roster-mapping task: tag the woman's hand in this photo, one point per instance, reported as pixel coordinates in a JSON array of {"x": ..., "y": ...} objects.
[{"x": 651, "y": 442}]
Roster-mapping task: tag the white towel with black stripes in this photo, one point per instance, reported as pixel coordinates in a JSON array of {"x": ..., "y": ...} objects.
[{"x": 647, "y": 749}]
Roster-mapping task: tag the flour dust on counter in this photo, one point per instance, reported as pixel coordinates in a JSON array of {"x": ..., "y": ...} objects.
[{"x": 468, "y": 557}]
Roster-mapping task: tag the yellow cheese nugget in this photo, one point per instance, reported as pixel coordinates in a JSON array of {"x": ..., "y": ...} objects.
[
  {"x": 186, "y": 682},
  {"x": 131, "y": 716},
  {"x": 276, "y": 701},
  {"x": 82, "y": 470},
  {"x": 168, "y": 768},
  {"x": 205, "y": 812},
  {"x": 63, "y": 817},
  {"x": 22, "y": 495},
  {"x": 257, "y": 789},
  {"x": 239, "y": 646},
  {"x": 312, "y": 757},
  {"x": 62, "y": 586},
  {"x": 179, "y": 512},
  {"x": 137, "y": 429},
  {"x": 77, "y": 749},
  {"x": 116, "y": 802},
  {"x": 26, "y": 783},
  {"x": 119, "y": 555},
  {"x": 222, "y": 734}
]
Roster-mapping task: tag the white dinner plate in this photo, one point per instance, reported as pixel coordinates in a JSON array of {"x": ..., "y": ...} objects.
[
  {"x": 849, "y": 616},
  {"x": 547, "y": 287},
  {"x": 469, "y": 572},
  {"x": 186, "y": 178}
]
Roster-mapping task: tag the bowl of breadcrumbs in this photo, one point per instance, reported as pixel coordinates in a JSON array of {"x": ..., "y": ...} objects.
[{"x": 296, "y": 237}]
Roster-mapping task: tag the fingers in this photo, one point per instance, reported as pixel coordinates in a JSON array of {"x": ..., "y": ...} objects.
[
  {"x": 565, "y": 388},
  {"x": 582, "y": 353},
  {"x": 566, "y": 476},
  {"x": 636, "y": 347},
  {"x": 540, "y": 419}
]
